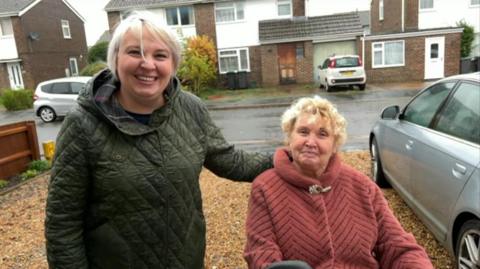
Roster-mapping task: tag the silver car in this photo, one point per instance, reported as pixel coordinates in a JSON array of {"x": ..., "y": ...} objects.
[
  {"x": 56, "y": 97},
  {"x": 430, "y": 153}
]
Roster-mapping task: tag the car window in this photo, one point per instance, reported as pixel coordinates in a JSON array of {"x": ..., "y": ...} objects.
[
  {"x": 422, "y": 109},
  {"x": 46, "y": 88},
  {"x": 60, "y": 88},
  {"x": 325, "y": 64},
  {"x": 347, "y": 62},
  {"x": 76, "y": 87},
  {"x": 461, "y": 116}
]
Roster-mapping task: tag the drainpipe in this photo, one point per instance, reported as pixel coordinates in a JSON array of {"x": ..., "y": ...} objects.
[
  {"x": 363, "y": 49},
  {"x": 403, "y": 15}
]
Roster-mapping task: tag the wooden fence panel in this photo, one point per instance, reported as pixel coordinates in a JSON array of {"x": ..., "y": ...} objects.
[{"x": 18, "y": 147}]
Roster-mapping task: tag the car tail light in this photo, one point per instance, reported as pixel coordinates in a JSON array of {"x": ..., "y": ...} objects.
[
  {"x": 332, "y": 64},
  {"x": 35, "y": 97},
  {"x": 359, "y": 61}
]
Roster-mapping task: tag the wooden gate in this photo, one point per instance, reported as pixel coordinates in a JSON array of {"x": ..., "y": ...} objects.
[
  {"x": 287, "y": 63},
  {"x": 18, "y": 147}
]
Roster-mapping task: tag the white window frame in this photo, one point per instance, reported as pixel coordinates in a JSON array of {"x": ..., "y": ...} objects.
[
  {"x": 179, "y": 18},
  {"x": 284, "y": 3},
  {"x": 382, "y": 49},
  {"x": 72, "y": 62},
  {"x": 426, "y": 8},
  {"x": 66, "y": 29},
  {"x": 230, "y": 5},
  {"x": 472, "y": 4},
  {"x": 380, "y": 10},
  {"x": 6, "y": 26},
  {"x": 236, "y": 53}
]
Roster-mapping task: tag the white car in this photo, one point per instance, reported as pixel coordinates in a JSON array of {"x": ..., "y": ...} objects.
[
  {"x": 56, "y": 97},
  {"x": 342, "y": 70}
]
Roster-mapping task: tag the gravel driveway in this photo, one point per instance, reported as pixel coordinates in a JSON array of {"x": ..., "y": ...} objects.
[{"x": 22, "y": 212}]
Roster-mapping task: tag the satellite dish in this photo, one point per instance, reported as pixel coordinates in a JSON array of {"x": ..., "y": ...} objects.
[{"x": 34, "y": 36}]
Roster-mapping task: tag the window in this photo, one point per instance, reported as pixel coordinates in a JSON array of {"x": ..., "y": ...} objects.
[
  {"x": 76, "y": 87},
  {"x": 66, "y": 29},
  {"x": 233, "y": 60},
  {"x": 6, "y": 27},
  {"x": 180, "y": 16},
  {"x": 284, "y": 7},
  {"x": 389, "y": 53},
  {"x": 380, "y": 10},
  {"x": 73, "y": 67},
  {"x": 422, "y": 109},
  {"x": 300, "y": 51},
  {"x": 474, "y": 2},
  {"x": 426, "y": 4},
  {"x": 59, "y": 88},
  {"x": 434, "y": 51},
  {"x": 230, "y": 11},
  {"x": 461, "y": 116}
]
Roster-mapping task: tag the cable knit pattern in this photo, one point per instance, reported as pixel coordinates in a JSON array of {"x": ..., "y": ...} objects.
[{"x": 350, "y": 226}]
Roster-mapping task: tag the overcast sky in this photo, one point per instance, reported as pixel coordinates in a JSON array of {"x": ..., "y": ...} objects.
[{"x": 95, "y": 17}]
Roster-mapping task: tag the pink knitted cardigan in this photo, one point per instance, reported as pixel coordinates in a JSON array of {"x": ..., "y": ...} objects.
[{"x": 349, "y": 226}]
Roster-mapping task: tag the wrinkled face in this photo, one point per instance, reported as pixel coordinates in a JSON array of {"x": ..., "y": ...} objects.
[
  {"x": 143, "y": 80},
  {"x": 311, "y": 144}
]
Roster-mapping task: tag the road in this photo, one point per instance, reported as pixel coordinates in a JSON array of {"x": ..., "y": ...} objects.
[{"x": 258, "y": 128}]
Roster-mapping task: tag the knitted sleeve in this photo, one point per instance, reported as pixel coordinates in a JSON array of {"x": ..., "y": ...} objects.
[
  {"x": 261, "y": 248},
  {"x": 395, "y": 248}
]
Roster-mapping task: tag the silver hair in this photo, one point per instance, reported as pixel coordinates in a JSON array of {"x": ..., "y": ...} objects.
[
  {"x": 319, "y": 107},
  {"x": 137, "y": 22}
]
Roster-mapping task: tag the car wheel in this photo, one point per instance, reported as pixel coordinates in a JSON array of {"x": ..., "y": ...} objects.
[
  {"x": 468, "y": 245},
  {"x": 377, "y": 169},
  {"x": 47, "y": 114},
  {"x": 361, "y": 87}
]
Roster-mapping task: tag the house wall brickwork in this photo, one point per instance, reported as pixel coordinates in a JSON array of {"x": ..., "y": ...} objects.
[
  {"x": 270, "y": 75},
  {"x": 298, "y": 8},
  {"x": 4, "y": 81},
  {"x": 113, "y": 19},
  {"x": 414, "y": 68},
  {"x": 392, "y": 17},
  {"x": 47, "y": 57},
  {"x": 411, "y": 15},
  {"x": 205, "y": 20},
  {"x": 304, "y": 70}
]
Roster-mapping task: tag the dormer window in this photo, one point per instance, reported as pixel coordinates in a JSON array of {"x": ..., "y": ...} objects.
[
  {"x": 426, "y": 4},
  {"x": 66, "y": 29},
  {"x": 284, "y": 7},
  {"x": 380, "y": 10},
  {"x": 178, "y": 16},
  {"x": 229, "y": 11},
  {"x": 6, "y": 28}
]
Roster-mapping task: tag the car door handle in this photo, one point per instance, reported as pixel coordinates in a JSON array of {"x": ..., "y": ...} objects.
[
  {"x": 409, "y": 145},
  {"x": 459, "y": 170}
]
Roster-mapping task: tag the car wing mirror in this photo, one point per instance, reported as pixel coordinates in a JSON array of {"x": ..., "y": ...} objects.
[{"x": 390, "y": 113}]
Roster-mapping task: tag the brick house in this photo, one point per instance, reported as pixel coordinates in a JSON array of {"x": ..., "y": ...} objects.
[
  {"x": 39, "y": 40},
  {"x": 408, "y": 44}
]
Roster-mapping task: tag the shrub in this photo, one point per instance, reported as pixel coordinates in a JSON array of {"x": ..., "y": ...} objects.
[
  {"x": 93, "y": 68},
  {"x": 17, "y": 99},
  {"x": 3, "y": 183},
  {"x": 28, "y": 174},
  {"x": 98, "y": 52},
  {"x": 39, "y": 165},
  {"x": 467, "y": 38}
]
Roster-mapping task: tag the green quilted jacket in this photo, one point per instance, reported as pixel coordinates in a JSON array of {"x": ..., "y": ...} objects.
[{"x": 127, "y": 195}]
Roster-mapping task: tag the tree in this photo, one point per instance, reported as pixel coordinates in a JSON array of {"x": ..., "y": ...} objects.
[
  {"x": 467, "y": 38},
  {"x": 98, "y": 52},
  {"x": 198, "y": 68}
]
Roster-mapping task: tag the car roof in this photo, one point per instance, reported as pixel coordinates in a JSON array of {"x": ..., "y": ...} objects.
[
  {"x": 342, "y": 56},
  {"x": 470, "y": 76},
  {"x": 67, "y": 79}
]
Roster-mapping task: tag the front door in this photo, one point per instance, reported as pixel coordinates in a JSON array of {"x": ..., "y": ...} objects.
[
  {"x": 287, "y": 63},
  {"x": 434, "y": 57},
  {"x": 15, "y": 75}
]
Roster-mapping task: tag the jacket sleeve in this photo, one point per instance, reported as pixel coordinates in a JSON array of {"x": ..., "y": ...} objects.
[
  {"x": 67, "y": 196},
  {"x": 261, "y": 248},
  {"x": 225, "y": 161},
  {"x": 396, "y": 249}
]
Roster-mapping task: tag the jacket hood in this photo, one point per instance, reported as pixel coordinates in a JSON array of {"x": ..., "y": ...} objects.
[{"x": 99, "y": 99}]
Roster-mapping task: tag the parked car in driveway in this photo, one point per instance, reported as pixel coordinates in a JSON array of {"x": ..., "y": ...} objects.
[
  {"x": 342, "y": 70},
  {"x": 430, "y": 153},
  {"x": 56, "y": 97}
]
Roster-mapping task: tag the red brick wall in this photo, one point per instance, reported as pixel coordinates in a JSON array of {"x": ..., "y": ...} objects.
[
  {"x": 305, "y": 65},
  {"x": 205, "y": 20},
  {"x": 4, "y": 81},
  {"x": 411, "y": 14},
  {"x": 270, "y": 75},
  {"x": 392, "y": 17},
  {"x": 298, "y": 8},
  {"x": 47, "y": 57},
  {"x": 113, "y": 19},
  {"x": 414, "y": 68}
]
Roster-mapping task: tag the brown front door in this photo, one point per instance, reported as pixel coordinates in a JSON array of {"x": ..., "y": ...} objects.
[{"x": 286, "y": 63}]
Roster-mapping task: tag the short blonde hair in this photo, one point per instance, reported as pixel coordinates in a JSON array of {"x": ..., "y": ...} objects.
[
  {"x": 316, "y": 106},
  {"x": 135, "y": 22}
]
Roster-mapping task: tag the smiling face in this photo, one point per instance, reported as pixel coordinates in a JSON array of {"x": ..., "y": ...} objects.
[
  {"x": 311, "y": 144},
  {"x": 143, "y": 78}
]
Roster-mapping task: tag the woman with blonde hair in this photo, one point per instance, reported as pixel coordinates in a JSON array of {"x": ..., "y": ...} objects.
[{"x": 313, "y": 211}]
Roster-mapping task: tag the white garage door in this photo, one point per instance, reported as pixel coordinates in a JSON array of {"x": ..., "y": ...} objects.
[{"x": 323, "y": 50}]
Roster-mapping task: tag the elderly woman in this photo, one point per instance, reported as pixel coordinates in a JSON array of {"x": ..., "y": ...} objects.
[
  {"x": 124, "y": 190},
  {"x": 314, "y": 208}
]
